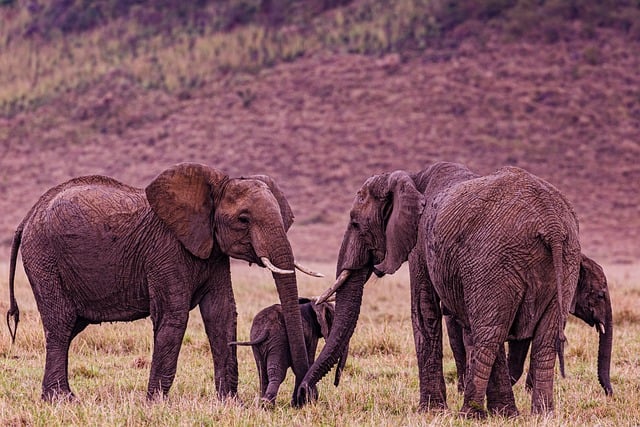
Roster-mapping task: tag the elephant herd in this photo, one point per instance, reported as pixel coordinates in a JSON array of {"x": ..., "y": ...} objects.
[{"x": 497, "y": 256}]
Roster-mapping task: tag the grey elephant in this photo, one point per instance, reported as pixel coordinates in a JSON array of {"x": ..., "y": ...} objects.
[
  {"x": 500, "y": 252},
  {"x": 96, "y": 250},
  {"x": 271, "y": 346},
  {"x": 592, "y": 304}
]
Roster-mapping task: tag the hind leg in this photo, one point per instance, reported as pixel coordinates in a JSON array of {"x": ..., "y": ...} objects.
[{"x": 60, "y": 324}]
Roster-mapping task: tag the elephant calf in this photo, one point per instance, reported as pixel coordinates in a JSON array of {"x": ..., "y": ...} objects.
[{"x": 271, "y": 346}]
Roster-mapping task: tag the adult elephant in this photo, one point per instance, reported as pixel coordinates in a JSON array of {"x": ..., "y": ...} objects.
[
  {"x": 591, "y": 304},
  {"x": 501, "y": 253},
  {"x": 96, "y": 250}
]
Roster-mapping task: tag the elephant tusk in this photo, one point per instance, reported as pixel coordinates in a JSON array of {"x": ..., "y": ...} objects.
[
  {"x": 305, "y": 270},
  {"x": 339, "y": 282},
  {"x": 601, "y": 325},
  {"x": 273, "y": 268}
]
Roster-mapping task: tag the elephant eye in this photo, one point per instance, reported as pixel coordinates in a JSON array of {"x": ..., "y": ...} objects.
[
  {"x": 244, "y": 219},
  {"x": 355, "y": 225}
]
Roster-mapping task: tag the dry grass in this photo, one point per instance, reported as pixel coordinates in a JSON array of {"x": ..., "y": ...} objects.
[{"x": 109, "y": 367}]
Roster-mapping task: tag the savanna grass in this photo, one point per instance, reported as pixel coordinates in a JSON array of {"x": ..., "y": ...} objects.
[{"x": 109, "y": 368}]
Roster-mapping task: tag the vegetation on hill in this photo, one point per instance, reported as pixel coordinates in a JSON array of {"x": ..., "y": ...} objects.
[{"x": 53, "y": 46}]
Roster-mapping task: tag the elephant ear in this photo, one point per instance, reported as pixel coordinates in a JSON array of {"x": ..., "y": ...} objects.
[
  {"x": 324, "y": 314},
  {"x": 285, "y": 209},
  {"x": 406, "y": 204},
  {"x": 183, "y": 198}
]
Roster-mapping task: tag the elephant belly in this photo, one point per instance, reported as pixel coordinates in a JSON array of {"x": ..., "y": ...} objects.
[{"x": 95, "y": 246}]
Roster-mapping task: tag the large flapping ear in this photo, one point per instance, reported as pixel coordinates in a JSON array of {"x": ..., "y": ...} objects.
[
  {"x": 285, "y": 209},
  {"x": 401, "y": 231},
  {"x": 182, "y": 196},
  {"x": 324, "y": 314}
]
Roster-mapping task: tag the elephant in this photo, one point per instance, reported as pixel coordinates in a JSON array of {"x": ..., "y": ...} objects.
[
  {"x": 468, "y": 239},
  {"x": 271, "y": 347},
  {"x": 96, "y": 250},
  {"x": 592, "y": 304}
]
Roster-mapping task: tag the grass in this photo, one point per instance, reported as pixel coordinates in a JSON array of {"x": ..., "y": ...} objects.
[{"x": 109, "y": 368}]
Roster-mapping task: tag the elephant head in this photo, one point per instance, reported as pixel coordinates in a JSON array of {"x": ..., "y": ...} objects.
[
  {"x": 381, "y": 233},
  {"x": 592, "y": 304},
  {"x": 244, "y": 218}
]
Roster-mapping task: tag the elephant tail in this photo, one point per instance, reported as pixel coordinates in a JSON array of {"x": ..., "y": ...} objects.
[
  {"x": 557, "y": 255},
  {"x": 13, "y": 304},
  {"x": 262, "y": 338}
]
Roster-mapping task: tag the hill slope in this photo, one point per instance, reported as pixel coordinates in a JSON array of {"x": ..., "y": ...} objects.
[{"x": 569, "y": 112}]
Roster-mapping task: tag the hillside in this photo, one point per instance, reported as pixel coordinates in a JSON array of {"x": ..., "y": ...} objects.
[{"x": 568, "y": 111}]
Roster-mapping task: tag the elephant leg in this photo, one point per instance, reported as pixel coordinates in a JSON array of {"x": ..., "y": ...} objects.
[
  {"x": 500, "y": 398},
  {"x": 276, "y": 373},
  {"x": 261, "y": 365},
  {"x": 456, "y": 342},
  {"x": 168, "y": 334},
  {"x": 218, "y": 310},
  {"x": 60, "y": 325},
  {"x": 543, "y": 354},
  {"x": 426, "y": 320}
]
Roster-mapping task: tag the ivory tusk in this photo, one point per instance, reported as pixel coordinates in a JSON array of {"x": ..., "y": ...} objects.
[
  {"x": 339, "y": 282},
  {"x": 305, "y": 270},
  {"x": 273, "y": 268},
  {"x": 601, "y": 328}
]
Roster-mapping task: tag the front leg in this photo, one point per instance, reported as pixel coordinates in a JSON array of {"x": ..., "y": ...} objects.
[
  {"x": 426, "y": 319},
  {"x": 169, "y": 330},
  {"x": 218, "y": 310}
]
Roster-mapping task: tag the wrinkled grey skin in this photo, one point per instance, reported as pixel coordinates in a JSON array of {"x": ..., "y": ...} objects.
[
  {"x": 271, "y": 346},
  {"x": 96, "y": 250},
  {"x": 591, "y": 303},
  {"x": 468, "y": 239}
]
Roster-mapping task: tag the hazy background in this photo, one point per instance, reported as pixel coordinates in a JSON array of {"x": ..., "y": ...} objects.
[{"x": 321, "y": 94}]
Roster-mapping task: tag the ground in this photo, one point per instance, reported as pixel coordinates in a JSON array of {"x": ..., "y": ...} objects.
[{"x": 568, "y": 112}]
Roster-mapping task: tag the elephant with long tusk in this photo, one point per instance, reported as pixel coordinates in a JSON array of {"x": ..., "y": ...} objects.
[
  {"x": 96, "y": 250},
  {"x": 500, "y": 252}
]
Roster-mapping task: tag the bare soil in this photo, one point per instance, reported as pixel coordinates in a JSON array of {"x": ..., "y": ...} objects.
[{"x": 568, "y": 112}]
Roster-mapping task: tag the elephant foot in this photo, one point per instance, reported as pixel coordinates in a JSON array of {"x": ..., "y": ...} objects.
[
  {"x": 472, "y": 410},
  {"x": 506, "y": 410},
  {"x": 432, "y": 405},
  {"x": 267, "y": 403},
  {"x": 54, "y": 395}
]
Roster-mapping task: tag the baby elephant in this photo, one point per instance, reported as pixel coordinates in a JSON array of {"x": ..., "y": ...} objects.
[{"x": 271, "y": 347}]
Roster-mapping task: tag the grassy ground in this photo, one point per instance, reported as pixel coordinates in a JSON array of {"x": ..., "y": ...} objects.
[{"x": 109, "y": 368}]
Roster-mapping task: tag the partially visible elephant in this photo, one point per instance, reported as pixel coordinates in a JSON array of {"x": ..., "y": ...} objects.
[
  {"x": 500, "y": 252},
  {"x": 271, "y": 346},
  {"x": 96, "y": 250},
  {"x": 592, "y": 304}
]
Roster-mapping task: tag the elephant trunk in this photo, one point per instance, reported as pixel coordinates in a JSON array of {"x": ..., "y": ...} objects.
[
  {"x": 348, "y": 301},
  {"x": 605, "y": 344},
  {"x": 282, "y": 257}
]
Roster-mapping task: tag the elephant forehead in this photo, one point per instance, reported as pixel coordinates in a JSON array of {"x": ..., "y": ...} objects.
[{"x": 248, "y": 193}]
